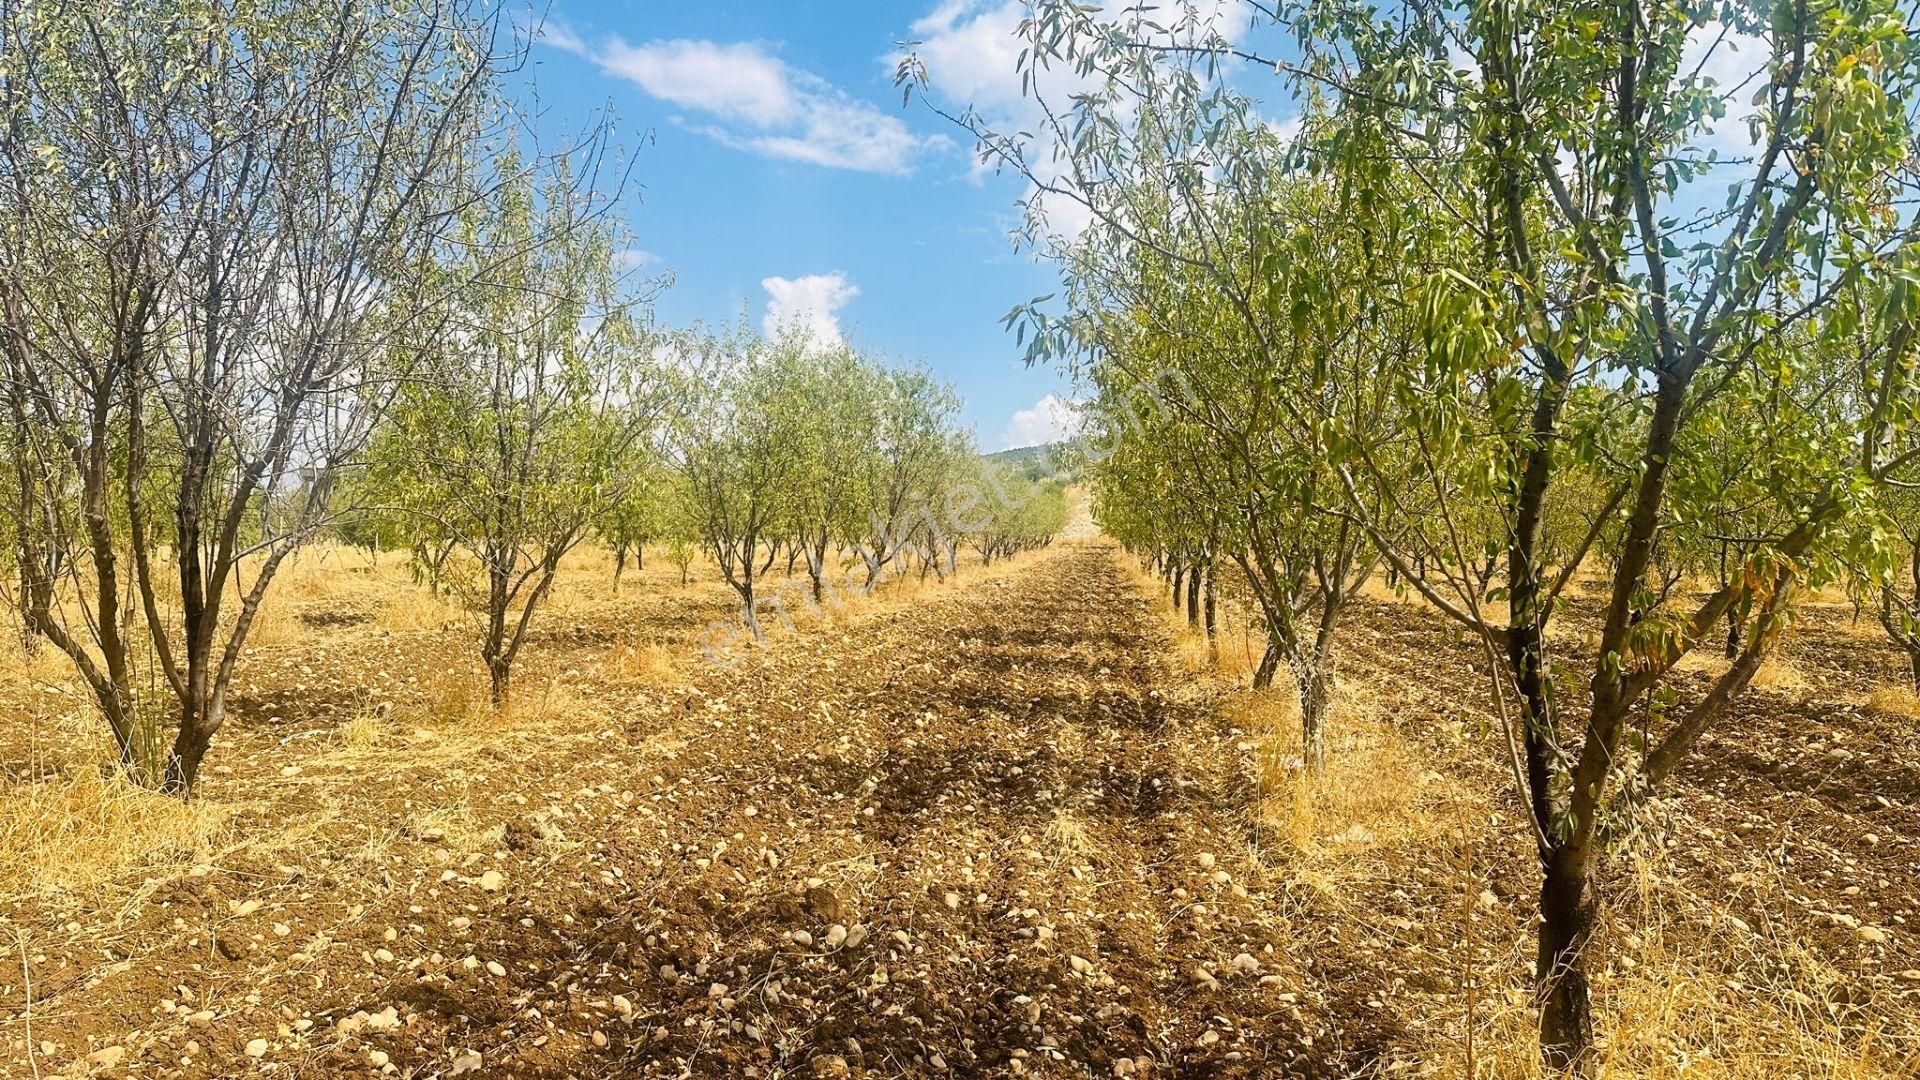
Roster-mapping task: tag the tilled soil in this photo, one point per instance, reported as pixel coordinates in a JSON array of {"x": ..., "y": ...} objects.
[{"x": 982, "y": 837}]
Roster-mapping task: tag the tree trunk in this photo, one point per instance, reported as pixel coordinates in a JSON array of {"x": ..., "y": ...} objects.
[
  {"x": 1313, "y": 715},
  {"x": 190, "y": 745},
  {"x": 499, "y": 679},
  {"x": 1179, "y": 582},
  {"x": 1567, "y": 916},
  {"x": 752, "y": 613},
  {"x": 1193, "y": 596},
  {"x": 1733, "y": 634},
  {"x": 1213, "y": 629},
  {"x": 817, "y": 572},
  {"x": 1269, "y": 664},
  {"x": 1913, "y": 662},
  {"x": 619, "y": 565}
]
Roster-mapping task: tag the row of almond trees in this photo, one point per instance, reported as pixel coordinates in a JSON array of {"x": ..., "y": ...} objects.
[
  {"x": 276, "y": 271},
  {"x": 1512, "y": 305}
]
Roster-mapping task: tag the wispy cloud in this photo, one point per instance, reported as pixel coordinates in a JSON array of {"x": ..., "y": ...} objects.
[{"x": 747, "y": 98}]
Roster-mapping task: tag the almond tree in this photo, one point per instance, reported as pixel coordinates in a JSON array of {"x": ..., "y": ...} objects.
[
  {"x": 525, "y": 421},
  {"x": 730, "y": 439},
  {"x": 905, "y": 477},
  {"x": 216, "y": 217},
  {"x": 835, "y": 400}
]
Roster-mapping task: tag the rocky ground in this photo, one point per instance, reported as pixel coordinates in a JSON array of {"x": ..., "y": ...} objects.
[{"x": 999, "y": 832}]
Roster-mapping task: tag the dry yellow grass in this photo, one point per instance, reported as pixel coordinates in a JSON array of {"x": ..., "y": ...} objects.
[
  {"x": 75, "y": 829},
  {"x": 1237, "y": 644},
  {"x": 1898, "y": 700},
  {"x": 1692, "y": 993},
  {"x": 412, "y": 609},
  {"x": 1779, "y": 674},
  {"x": 643, "y": 664}
]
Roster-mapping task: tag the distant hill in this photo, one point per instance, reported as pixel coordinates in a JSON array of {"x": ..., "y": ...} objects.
[{"x": 1048, "y": 461}]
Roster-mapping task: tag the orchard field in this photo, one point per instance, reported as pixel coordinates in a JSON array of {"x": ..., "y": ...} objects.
[
  {"x": 1453, "y": 609},
  {"x": 1014, "y": 825}
]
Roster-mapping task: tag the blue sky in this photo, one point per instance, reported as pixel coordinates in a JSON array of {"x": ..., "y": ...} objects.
[{"x": 776, "y": 165}]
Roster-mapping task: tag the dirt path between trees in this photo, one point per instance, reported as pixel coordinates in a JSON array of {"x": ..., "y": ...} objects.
[{"x": 985, "y": 836}]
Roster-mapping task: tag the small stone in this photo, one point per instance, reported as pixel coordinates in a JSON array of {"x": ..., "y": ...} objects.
[
  {"x": 801, "y": 938},
  {"x": 1206, "y": 860},
  {"x": 378, "y": 1058},
  {"x": 1873, "y": 935},
  {"x": 1080, "y": 964},
  {"x": 836, "y": 936},
  {"x": 107, "y": 1056},
  {"x": 1246, "y": 964},
  {"x": 496, "y": 969},
  {"x": 492, "y": 881},
  {"x": 257, "y": 1049}
]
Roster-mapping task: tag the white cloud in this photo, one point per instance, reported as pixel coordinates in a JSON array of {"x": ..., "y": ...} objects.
[
  {"x": 757, "y": 102},
  {"x": 1050, "y": 420},
  {"x": 811, "y": 304},
  {"x": 634, "y": 258}
]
